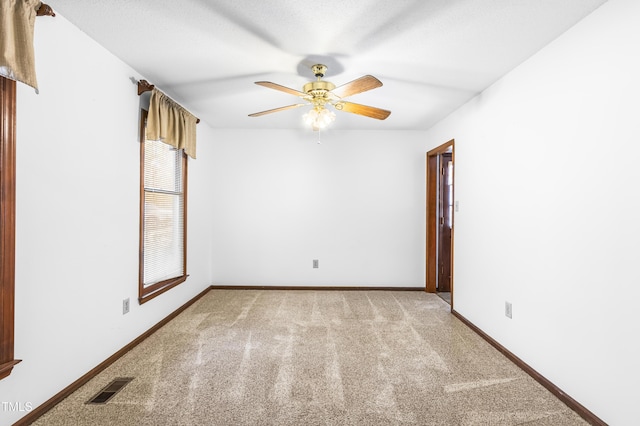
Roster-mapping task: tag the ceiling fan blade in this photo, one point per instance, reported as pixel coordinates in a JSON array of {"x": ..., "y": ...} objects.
[
  {"x": 269, "y": 111},
  {"x": 285, "y": 89},
  {"x": 356, "y": 86},
  {"x": 365, "y": 110}
]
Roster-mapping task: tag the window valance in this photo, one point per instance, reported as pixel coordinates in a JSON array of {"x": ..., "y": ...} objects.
[
  {"x": 170, "y": 123},
  {"x": 17, "y": 21}
]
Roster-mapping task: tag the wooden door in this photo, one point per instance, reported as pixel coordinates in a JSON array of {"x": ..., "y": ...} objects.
[
  {"x": 445, "y": 221},
  {"x": 440, "y": 221}
]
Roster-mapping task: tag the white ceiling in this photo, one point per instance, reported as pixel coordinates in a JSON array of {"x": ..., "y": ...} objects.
[{"x": 431, "y": 55}]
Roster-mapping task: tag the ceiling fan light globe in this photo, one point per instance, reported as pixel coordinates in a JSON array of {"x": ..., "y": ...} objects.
[
  {"x": 326, "y": 117},
  {"x": 327, "y": 114},
  {"x": 310, "y": 116}
]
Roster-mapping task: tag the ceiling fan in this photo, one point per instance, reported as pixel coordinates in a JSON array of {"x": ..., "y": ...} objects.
[{"x": 321, "y": 93}]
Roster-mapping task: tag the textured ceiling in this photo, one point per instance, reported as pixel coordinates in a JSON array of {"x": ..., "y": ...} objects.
[{"x": 431, "y": 55}]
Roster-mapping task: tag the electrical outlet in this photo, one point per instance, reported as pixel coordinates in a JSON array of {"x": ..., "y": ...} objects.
[
  {"x": 316, "y": 263},
  {"x": 125, "y": 306},
  {"x": 507, "y": 309}
]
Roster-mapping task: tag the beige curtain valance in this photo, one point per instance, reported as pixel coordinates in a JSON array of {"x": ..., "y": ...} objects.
[
  {"x": 17, "y": 21},
  {"x": 170, "y": 123}
]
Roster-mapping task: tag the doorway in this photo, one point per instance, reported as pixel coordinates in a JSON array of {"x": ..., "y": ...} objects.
[{"x": 440, "y": 202}]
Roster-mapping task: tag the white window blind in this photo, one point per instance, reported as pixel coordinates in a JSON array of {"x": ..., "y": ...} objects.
[{"x": 163, "y": 216}]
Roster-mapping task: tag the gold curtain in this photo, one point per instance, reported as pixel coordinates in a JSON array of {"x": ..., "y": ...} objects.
[
  {"x": 170, "y": 123},
  {"x": 17, "y": 21}
]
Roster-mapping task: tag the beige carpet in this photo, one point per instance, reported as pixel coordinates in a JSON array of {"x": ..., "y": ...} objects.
[{"x": 298, "y": 357}]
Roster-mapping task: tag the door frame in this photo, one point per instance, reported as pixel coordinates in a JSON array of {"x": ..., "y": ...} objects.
[{"x": 432, "y": 171}]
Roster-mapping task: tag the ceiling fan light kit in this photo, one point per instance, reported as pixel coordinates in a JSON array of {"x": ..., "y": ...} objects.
[
  {"x": 321, "y": 93},
  {"x": 319, "y": 118}
]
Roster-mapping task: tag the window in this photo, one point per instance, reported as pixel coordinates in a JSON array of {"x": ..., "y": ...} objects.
[{"x": 163, "y": 225}]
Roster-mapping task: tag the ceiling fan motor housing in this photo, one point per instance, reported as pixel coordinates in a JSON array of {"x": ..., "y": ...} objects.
[{"x": 319, "y": 89}]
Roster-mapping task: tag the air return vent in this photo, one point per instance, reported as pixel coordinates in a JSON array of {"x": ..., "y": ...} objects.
[{"x": 110, "y": 390}]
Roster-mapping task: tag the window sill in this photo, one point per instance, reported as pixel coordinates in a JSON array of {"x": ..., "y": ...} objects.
[
  {"x": 159, "y": 288},
  {"x": 5, "y": 369}
]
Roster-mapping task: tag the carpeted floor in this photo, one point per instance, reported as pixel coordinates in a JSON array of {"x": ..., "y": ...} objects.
[{"x": 302, "y": 357}]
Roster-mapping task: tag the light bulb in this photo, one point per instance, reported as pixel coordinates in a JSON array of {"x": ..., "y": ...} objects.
[
  {"x": 326, "y": 117},
  {"x": 310, "y": 117},
  {"x": 319, "y": 118}
]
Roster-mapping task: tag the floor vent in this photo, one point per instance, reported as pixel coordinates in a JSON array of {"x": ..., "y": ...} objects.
[{"x": 110, "y": 390}]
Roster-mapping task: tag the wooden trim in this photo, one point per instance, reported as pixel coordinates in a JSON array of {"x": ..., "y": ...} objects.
[
  {"x": 5, "y": 368},
  {"x": 7, "y": 223},
  {"x": 432, "y": 217},
  {"x": 317, "y": 288},
  {"x": 453, "y": 222},
  {"x": 49, "y": 404},
  {"x": 185, "y": 212},
  {"x": 432, "y": 223},
  {"x": 143, "y": 120},
  {"x": 581, "y": 410},
  {"x": 162, "y": 287}
]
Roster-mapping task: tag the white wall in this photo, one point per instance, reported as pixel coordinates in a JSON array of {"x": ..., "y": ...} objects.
[
  {"x": 547, "y": 183},
  {"x": 78, "y": 218},
  {"x": 354, "y": 202}
]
